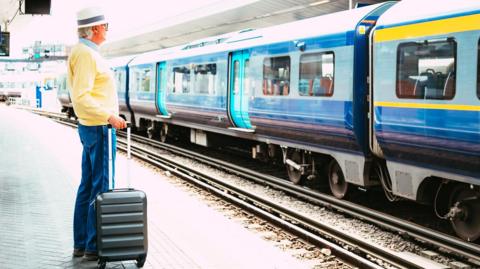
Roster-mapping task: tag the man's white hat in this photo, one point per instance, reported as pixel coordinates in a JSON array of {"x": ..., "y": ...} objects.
[{"x": 90, "y": 16}]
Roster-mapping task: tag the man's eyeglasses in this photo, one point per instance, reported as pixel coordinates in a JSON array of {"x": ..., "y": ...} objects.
[{"x": 105, "y": 26}]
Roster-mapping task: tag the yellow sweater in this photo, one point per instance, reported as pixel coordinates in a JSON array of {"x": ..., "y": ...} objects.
[{"x": 92, "y": 86}]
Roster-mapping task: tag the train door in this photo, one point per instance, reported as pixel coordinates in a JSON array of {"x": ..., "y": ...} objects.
[
  {"x": 239, "y": 89},
  {"x": 161, "y": 89}
]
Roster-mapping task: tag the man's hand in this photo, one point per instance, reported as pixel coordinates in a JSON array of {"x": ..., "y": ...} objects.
[{"x": 117, "y": 122}]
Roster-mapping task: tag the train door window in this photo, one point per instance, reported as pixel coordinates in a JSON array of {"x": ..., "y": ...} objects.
[
  {"x": 246, "y": 78},
  {"x": 236, "y": 77},
  {"x": 181, "y": 79},
  {"x": 478, "y": 70},
  {"x": 276, "y": 75},
  {"x": 204, "y": 78},
  {"x": 426, "y": 69},
  {"x": 316, "y": 74}
]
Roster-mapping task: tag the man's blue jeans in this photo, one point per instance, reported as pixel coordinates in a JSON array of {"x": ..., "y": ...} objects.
[{"x": 94, "y": 181}]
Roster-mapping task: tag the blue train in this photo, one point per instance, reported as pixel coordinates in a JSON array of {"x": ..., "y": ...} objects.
[{"x": 384, "y": 95}]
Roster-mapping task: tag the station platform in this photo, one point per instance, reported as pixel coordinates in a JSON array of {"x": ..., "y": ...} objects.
[{"x": 39, "y": 175}]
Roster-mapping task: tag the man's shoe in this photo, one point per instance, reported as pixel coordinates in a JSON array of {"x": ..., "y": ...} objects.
[
  {"x": 90, "y": 256},
  {"x": 77, "y": 252}
]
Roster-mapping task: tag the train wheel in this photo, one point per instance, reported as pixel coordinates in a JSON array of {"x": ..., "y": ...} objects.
[
  {"x": 338, "y": 185},
  {"x": 465, "y": 212},
  {"x": 295, "y": 175}
]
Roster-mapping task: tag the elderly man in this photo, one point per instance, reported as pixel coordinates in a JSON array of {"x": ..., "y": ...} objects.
[{"x": 95, "y": 102}]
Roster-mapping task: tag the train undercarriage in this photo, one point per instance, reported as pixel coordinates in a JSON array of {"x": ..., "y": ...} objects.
[{"x": 456, "y": 202}]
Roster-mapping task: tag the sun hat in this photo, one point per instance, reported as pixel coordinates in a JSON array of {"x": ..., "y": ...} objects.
[{"x": 90, "y": 16}]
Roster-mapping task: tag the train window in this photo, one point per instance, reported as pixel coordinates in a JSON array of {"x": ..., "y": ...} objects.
[
  {"x": 204, "y": 78},
  {"x": 316, "y": 74},
  {"x": 142, "y": 79},
  {"x": 478, "y": 70},
  {"x": 181, "y": 79},
  {"x": 426, "y": 70},
  {"x": 276, "y": 76},
  {"x": 120, "y": 79}
]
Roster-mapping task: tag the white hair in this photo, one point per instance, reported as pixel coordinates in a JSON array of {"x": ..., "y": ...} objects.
[{"x": 85, "y": 32}]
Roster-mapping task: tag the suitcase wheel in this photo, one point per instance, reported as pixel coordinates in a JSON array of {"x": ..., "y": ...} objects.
[
  {"x": 141, "y": 261},
  {"x": 101, "y": 264}
]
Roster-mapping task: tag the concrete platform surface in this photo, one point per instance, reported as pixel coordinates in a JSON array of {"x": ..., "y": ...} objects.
[{"x": 39, "y": 175}]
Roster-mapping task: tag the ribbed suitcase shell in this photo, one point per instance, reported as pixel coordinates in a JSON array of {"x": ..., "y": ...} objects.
[{"x": 122, "y": 225}]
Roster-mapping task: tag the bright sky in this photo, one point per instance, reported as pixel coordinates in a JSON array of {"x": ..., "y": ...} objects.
[{"x": 125, "y": 17}]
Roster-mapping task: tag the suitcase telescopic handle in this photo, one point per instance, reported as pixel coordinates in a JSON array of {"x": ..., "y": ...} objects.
[
  {"x": 129, "y": 153},
  {"x": 111, "y": 181}
]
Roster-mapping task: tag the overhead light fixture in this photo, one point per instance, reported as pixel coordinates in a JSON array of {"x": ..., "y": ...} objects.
[{"x": 319, "y": 3}]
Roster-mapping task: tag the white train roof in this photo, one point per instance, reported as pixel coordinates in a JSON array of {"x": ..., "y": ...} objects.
[
  {"x": 156, "y": 55},
  {"x": 339, "y": 22},
  {"x": 120, "y": 61},
  {"x": 414, "y": 10}
]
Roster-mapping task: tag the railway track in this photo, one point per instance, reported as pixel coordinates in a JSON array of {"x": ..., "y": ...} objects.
[
  {"x": 360, "y": 252},
  {"x": 430, "y": 237}
]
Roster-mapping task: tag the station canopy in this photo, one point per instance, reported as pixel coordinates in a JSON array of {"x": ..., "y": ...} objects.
[{"x": 145, "y": 25}]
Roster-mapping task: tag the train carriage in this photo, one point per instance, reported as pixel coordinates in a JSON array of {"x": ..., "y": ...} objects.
[{"x": 426, "y": 103}]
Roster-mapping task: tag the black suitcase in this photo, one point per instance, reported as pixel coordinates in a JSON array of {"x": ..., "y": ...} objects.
[{"x": 121, "y": 221}]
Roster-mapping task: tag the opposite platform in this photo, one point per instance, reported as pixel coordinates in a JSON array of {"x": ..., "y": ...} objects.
[{"x": 39, "y": 174}]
